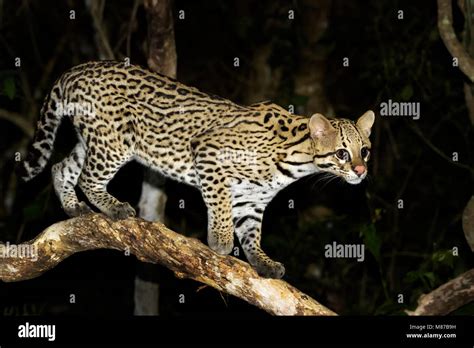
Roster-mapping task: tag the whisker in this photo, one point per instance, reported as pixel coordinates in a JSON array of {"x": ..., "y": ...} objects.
[
  {"x": 324, "y": 179},
  {"x": 332, "y": 178}
]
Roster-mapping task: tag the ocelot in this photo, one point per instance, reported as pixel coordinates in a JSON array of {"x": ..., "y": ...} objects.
[{"x": 238, "y": 156}]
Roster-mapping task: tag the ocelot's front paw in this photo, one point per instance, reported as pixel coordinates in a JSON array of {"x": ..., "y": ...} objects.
[
  {"x": 270, "y": 269},
  {"x": 121, "y": 211},
  {"x": 223, "y": 248},
  {"x": 80, "y": 208}
]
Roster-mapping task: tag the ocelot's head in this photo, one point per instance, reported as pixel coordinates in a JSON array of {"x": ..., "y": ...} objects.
[{"x": 341, "y": 146}]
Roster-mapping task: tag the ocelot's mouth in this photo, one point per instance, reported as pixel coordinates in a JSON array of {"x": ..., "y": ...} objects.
[{"x": 354, "y": 181}]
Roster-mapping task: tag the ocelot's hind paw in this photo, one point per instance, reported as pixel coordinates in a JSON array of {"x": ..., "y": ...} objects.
[
  {"x": 121, "y": 211},
  {"x": 221, "y": 248},
  {"x": 270, "y": 269},
  {"x": 79, "y": 209}
]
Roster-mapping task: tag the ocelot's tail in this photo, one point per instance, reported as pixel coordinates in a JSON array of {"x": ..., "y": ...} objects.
[{"x": 41, "y": 148}]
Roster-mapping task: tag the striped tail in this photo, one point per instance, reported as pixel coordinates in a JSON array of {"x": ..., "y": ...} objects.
[{"x": 41, "y": 148}]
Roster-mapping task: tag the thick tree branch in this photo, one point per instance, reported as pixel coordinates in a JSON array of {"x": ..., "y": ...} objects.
[
  {"x": 446, "y": 31},
  {"x": 448, "y": 297},
  {"x": 153, "y": 242}
]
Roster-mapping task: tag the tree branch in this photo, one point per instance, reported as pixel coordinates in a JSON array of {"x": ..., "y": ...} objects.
[
  {"x": 446, "y": 31},
  {"x": 448, "y": 297},
  {"x": 153, "y": 242},
  {"x": 468, "y": 222},
  {"x": 162, "y": 47},
  {"x": 440, "y": 153}
]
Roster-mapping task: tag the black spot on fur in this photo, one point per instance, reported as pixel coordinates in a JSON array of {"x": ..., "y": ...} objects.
[
  {"x": 40, "y": 135},
  {"x": 45, "y": 146}
]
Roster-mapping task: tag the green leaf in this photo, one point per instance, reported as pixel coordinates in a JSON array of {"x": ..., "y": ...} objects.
[
  {"x": 427, "y": 278},
  {"x": 9, "y": 87},
  {"x": 443, "y": 257},
  {"x": 406, "y": 93},
  {"x": 412, "y": 276},
  {"x": 371, "y": 240},
  {"x": 430, "y": 278}
]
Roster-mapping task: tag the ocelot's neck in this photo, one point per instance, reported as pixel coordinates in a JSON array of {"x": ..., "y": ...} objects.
[{"x": 298, "y": 158}]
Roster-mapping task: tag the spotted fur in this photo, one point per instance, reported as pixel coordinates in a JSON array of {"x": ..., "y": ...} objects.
[{"x": 238, "y": 156}]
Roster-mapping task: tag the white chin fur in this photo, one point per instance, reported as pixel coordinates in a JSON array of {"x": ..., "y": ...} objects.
[{"x": 354, "y": 181}]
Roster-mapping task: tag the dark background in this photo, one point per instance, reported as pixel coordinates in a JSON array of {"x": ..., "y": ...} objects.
[{"x": 408, "y": 251}]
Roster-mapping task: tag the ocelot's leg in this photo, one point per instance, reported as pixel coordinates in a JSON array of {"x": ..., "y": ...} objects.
[
  {"x": 217, "y": 196},
  {"x": 96, "y": 174},
  {"x": 65, "y": 176},
  {"x": 220, "y": 231},
  {"x": 248, "y": 217}
]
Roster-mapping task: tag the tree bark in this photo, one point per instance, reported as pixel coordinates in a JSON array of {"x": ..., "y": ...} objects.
[
  {"x": 161, "y": 43},
  {"x": 155, "y": 243},
  {"x": 446, "y": 31},
  {"x": 468, "y": 43},
  {"x": 448, "y": 297},
  {"x": 468, "y": 222},
  {"x": 311, "y": 73}
]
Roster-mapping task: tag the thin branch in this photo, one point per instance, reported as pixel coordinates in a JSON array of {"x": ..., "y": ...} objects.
[
  {"x": 433, "y": 147},
  {"x": 446, "y": 31},
  {"x": 96, "y": 9},
  {"x": 153, "y": 242},
  {"x": 448, "y": 297}
]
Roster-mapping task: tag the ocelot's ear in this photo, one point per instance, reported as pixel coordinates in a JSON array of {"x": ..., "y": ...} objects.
[
  {"x": 365, "y": 122},
  {"x": 320, "y": 127}
]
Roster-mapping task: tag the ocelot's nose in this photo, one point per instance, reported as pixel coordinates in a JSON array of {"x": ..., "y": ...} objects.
[{"x": 359, "y": 170}]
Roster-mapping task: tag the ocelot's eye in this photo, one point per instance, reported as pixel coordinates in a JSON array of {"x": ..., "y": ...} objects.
[
  {"x": 342, "y": 154},
  {"x": 364, "y": 152}
]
